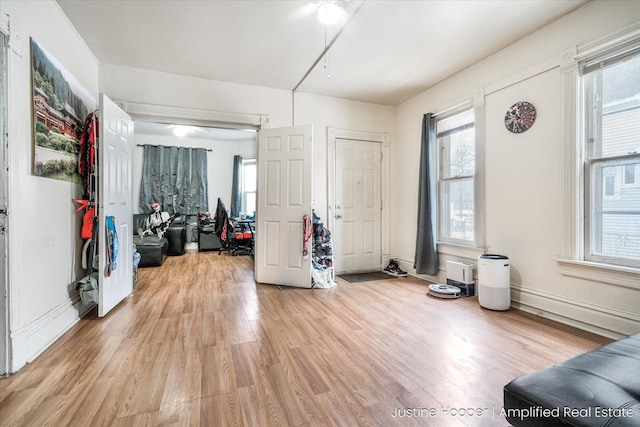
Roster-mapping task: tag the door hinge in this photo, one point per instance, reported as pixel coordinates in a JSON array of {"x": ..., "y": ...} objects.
[{"x": 380, "y": 204}]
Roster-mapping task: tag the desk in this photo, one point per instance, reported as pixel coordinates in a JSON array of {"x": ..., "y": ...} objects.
[
  {"x": 245, "y": 223},
  {"x": 246, "y": 242}
]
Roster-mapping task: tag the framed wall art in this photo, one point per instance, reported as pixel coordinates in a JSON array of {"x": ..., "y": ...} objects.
[{"x": 60, "y": 105}]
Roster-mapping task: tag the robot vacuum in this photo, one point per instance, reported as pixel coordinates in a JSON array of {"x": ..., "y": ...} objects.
[{"x": 444, "y": 291}]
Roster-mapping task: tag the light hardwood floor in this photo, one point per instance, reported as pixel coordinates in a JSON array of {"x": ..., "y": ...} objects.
[{"x": 199, "y": 343}]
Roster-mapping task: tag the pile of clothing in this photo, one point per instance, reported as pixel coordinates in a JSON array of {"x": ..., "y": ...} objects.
[{"x": 322, "y": 256}]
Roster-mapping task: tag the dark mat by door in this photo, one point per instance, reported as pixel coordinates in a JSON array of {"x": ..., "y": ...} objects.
[{"x": 365, "y": 277}]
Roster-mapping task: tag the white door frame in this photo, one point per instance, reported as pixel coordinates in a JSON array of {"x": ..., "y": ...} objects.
[
  {"x": 5, "y": 304},
  {"x": 192, "y": 116},
  {"x": 381, "y": 138}
]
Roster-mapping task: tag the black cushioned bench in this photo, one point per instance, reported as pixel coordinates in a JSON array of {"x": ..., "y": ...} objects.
[{"x": 598, "y": 388}]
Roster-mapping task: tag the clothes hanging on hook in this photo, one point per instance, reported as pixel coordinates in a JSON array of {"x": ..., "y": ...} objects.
[{"x": 87, "y": 155}]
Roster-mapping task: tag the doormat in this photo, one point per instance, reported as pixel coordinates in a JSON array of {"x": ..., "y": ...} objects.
[{"x": 365, "y": 277}]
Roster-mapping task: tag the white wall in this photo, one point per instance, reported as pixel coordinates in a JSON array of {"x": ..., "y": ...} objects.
[
  {"x": 44, "y": 247},
  {"x": 153, "y": 87},
  {"x": 324, "y": 112},
  {"x": 525, "y": 196},
  {"x": 219, "y": 161},
  {"x": 165, "y": 89}
]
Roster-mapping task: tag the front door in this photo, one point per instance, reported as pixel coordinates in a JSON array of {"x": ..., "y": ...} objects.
[
  {"x": 357, "y": 241},
  {"x": 284, "y": 198},
  {"x": 115, "y": 146}
]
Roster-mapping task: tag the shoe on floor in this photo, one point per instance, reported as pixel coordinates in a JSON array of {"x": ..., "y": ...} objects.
[
  {"x": 394, "y": 270},
  {"x": 400, "y": 271}
]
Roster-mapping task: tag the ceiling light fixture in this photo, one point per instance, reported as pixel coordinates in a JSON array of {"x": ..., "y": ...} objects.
[
  {"x": 347, "y": 17},
  {"x": 329, "y": 12},
  {"x": 181, "y": 131}
]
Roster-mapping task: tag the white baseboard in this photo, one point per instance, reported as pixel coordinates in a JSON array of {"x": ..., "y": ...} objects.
[
  {"x": 601, "y": 320},
  {"x": 598, "y": 319},
  {"x": 30, "y": 340}
]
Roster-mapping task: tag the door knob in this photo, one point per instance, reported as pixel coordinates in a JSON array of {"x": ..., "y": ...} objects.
[{"x": 338, "y": 216}]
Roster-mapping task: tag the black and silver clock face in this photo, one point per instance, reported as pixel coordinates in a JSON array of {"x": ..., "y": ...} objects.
[{"x": 520, "y": 117}]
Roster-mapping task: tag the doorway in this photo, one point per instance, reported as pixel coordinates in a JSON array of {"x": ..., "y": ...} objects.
[
  {"x": 222, "y": 146},
  {"x": 358, "y": 196}
]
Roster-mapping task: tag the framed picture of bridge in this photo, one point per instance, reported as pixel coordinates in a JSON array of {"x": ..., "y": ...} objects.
[{"x": 60, "y": 105}]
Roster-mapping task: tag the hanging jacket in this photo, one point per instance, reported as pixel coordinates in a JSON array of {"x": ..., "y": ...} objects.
[{"x": 87, "y": 155}]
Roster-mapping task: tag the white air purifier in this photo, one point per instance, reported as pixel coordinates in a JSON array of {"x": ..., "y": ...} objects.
[{"x": 494, "y": 278}]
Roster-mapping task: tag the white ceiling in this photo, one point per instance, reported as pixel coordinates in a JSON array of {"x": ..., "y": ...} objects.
[{"x": 387, "y": 52}]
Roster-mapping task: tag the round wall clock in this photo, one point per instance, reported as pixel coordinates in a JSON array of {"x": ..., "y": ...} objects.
[{"x": 520, "y": 117}]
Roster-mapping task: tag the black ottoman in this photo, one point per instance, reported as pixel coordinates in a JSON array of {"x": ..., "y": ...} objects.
[
  {"x": 598, "y": 388},
  {"x": 152, "y": 249},
  {"x": 177, "y": 237}
]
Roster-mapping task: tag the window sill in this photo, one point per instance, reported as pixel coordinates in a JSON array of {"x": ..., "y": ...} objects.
[
  {"x": 470, "y": 252},
  {"x": 626, "y": 277}
]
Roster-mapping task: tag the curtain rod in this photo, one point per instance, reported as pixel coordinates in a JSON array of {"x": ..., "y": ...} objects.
[{"x": 151, "y": 145}]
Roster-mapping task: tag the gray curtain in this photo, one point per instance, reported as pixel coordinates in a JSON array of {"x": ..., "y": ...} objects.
[
  {"x": 426, "y": 259},
  {"x": 236, "y": 192},
  {"x": 175, "y": 177}
]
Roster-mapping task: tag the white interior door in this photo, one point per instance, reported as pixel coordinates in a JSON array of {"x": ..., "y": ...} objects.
[
  {"x": 114, "y": 199},
  {"x": 284, "y": 197},
  {"x": 357, "y": 237}
]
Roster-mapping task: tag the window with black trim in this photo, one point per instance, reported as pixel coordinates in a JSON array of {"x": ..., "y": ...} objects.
[{"x": 611, "y": 93}]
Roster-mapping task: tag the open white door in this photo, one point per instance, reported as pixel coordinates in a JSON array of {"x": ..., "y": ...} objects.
[
  {"x": 284, "y": 197},
  {"x": 114, "y": 199}
]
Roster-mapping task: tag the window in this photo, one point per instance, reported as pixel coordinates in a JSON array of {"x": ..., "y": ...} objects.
[
  {"x": 249, "y": 185},
  {"x": 629, "y": 174},
  {"x": 611, "y": 89},
  {"x": 456, "y": 179}
]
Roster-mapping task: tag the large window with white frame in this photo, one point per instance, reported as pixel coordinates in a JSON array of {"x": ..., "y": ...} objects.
[
  {"x": 249, "y": 186},
  {"x": 456, "y": 142},
  {"x": 611, "y": 94}
]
